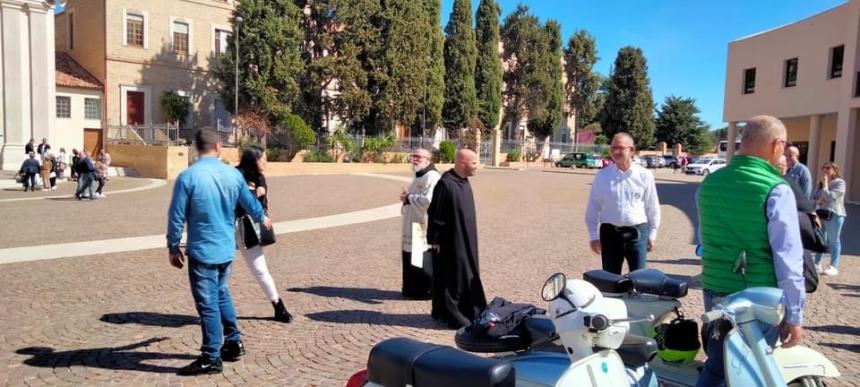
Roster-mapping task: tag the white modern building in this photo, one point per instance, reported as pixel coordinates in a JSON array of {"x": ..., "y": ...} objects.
[
  {"x": 27, "y": 81},
  {"x": 807, "y": 74}
]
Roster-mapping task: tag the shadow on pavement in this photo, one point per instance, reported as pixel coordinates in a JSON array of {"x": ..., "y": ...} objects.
[
  {"x": 838, "y": 329},
  {"x": 679, "y": 261},
  {"x": 357, "y": 316},
  {"x": 363, "y": 295},
  {"x": 846, "y": 289},
  {"x": 848, "y": 347},
  {"x": 113, "y": 358},
  {"x": 150, "y": 319}
]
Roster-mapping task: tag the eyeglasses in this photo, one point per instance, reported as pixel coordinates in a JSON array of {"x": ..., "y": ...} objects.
[
  {"x": 825, "y": 167},
  {"x": 418, "y": 157},
  {"x": 781, "y": 142},
  {"x": 620, "y": 148}
]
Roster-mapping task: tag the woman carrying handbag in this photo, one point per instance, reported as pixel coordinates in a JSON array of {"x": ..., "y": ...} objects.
[
  {"x": 830, "y": 201},
  {"x": 251, "y": 237}
]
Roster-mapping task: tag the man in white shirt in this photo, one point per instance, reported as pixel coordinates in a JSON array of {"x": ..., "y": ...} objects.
[{"x": 623, "y": 210}]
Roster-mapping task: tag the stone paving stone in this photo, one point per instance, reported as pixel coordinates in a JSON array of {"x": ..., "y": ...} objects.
[{"x": 128, "y": 318}]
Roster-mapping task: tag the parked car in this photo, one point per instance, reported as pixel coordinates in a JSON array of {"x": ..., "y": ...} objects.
[
  {"x": 671, "y": 161},
  {"x": 579, "y": 160},
  {"x": 705, "y": 166},
  {"x": 654, "y": 161},
  {"x": 640, "y": 161}
]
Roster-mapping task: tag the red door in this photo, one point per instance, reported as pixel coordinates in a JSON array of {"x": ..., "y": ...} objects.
[{"x": 134, "y": 107}]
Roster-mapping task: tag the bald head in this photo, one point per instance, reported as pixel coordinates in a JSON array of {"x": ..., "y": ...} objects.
[
  {"x": 764, "y": 137},
  {"x": 792, "y": 156},
  {"x": 466, "y": 163}
]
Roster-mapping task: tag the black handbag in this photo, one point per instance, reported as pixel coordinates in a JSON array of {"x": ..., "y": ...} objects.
[
  {"x": 819, "y": 244},
  {"x": 824, "y": 213},
  {"x": 257, "y": 234},
  {"x": 810, "y": 275},
  {"x": 267, "y": 235}
]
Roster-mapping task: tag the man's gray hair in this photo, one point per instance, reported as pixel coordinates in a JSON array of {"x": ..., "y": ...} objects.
[
  {"x": 762, "y": 130},
  {"x": 624, "y": 135}
]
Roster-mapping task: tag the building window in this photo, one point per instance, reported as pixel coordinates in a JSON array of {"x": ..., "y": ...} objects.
[
  {"x": 134, "y": 30},
  {"x": 64, "y": 107},
  {"x": 71, "y": 31},
  {"x": 221, "y": 41},
  {"x": 836, "y": 55},
  {"x": 749, "y": 81},
  {"x": 180, "y": 38},
  {"x": 92, "y": 109},
  {"x": 790, "y": 73}
]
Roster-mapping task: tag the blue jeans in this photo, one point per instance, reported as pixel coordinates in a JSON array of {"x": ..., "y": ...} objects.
[
  {"x": 713, "y": 336},
  {"x": 85, "y": 182},
  {"x": 833, "y": 233},
  {"x": 620, "y": 243},
  {"x": 214, "y": 305}
]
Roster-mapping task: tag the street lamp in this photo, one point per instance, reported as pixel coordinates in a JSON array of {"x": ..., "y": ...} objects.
[{"x": 236, "y": 61}]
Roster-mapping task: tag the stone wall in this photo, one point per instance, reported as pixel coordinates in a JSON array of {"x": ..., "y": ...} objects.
[{"x": 158, "y": 162}]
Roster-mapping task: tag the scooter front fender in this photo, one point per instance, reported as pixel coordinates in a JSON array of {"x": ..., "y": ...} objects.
[{"x": 799, "y": 361}]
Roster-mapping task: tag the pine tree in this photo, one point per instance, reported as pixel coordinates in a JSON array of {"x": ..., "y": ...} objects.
[
  {"x": 582, "y": 84},
  {"x": 678, "y": 123},
  {"x": 270, "y": 66},
  {"x": 461, "y": 104},
  {"x": 629, "y": 106},
  {"x": 521, "y": 33},
  {"x": 488, "y": 71}
]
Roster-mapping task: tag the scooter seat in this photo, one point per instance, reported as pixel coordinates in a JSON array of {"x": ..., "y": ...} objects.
[
  {"x": 539, "y": 329},
  {"x": 608, "y": 282},
  {"x": 400, "y": 361},
  {"x": 636, "y": 351},
  {"x": 653, "y": 281}
]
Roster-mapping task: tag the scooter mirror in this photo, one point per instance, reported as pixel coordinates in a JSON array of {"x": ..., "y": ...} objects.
[{"x": 553, "y": 287}]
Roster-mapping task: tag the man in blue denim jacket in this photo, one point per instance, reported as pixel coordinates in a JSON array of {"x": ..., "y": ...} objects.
[{"x": 205, "y": 196}]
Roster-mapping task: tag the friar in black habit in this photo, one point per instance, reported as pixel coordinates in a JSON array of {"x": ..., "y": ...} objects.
[{"x": 458, "y": 295}]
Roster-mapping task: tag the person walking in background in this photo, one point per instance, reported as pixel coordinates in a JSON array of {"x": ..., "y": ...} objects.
[
  {"x": 43, "y": 148},
  {"x": 798, "y": 172},
  {"x": 86, "y": 169},
  {"x": 76, "y": 158},
  {"x": 28, "y": 171},
  {"x": 62, "y": 164},
  {"x": 452, "y": 232},
  {"x": 104, "y": 157},
  {"x": 623, "y": 212},
  {"x": 830, "y": 204},
  {"x": 47, "y": 166},
  {"x": 100, "y": 177},
  {"x": 205, "y": 196},
  {"x": 416, "y": 198},
  {"x": 30, "y": 147},
  {"x": 251, "y": 166}
]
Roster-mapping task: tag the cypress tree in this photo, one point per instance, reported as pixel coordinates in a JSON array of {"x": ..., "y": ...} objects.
[
  {"x": 678, "y": 122},
  {"x": 406, "y": 48},
  {"x": 547, "y": 78},
  {"x": 430, "y": 117},
  {"x": 488, "y": 71},
  {"x": 460, "y": 106},
  {"x": 629, "y": 106}
]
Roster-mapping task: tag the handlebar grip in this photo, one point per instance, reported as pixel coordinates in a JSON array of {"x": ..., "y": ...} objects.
[{"x": 712, "y": 316}]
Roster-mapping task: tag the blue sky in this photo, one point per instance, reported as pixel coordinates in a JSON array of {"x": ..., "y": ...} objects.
[{"x": 684, "y": 41}]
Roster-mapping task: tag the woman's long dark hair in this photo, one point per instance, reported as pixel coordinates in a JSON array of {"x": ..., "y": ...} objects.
[{"x": 248, "y": 164}]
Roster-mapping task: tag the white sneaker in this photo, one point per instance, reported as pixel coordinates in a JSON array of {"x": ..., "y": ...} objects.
[
  {"x": 818, "y": 268},
  {"x": 832, "y": 271}
]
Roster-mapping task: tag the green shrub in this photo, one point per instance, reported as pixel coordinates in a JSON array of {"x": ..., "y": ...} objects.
[
  {"x": 273, "y": 154},
  {"x": 318, "y": 156},
  {"x": 447, "y": 150},
  {"x": 514, "y": 156},
  {"x": 300, "y": 133},
  {"x": 175, "y": 107}
]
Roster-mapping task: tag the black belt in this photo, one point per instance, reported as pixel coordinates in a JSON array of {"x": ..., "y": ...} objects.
[{"x": 623, "y": 228}]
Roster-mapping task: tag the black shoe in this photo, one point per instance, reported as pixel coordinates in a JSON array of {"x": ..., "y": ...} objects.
[
  {"x": 281, "y": 313},
  {"x": 78, "y": 197},
  {"x": 202, "y": 366},
  {"x": 232, "y": 350}
]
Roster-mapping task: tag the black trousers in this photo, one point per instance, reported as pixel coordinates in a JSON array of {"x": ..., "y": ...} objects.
[
  {"x": 618, "y": 244},
  {"x": 417, "y": 281}
]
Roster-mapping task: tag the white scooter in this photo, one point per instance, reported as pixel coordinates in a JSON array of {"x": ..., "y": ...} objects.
[
  {"x": 650, "y": 292},
  {"x": 589, "y": 326}
]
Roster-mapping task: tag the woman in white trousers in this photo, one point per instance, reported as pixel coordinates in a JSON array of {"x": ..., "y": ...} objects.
[{"x": 252, "y": 166}]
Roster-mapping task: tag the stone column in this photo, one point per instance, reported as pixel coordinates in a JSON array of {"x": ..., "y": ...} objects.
[
  {"x": 730, "y": 139},
  {"x": 43, "y": 87},
  {"x": 814, "y": 146},
  {"x": 16, "y": 86},
  {"x": 846, "y": 129}
]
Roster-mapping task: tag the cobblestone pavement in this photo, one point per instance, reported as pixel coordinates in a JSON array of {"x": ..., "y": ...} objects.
[{"x": 128, "y": 319}]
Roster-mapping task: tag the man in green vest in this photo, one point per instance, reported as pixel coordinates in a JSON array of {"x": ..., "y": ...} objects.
[{"x": 747, "y": 209}]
